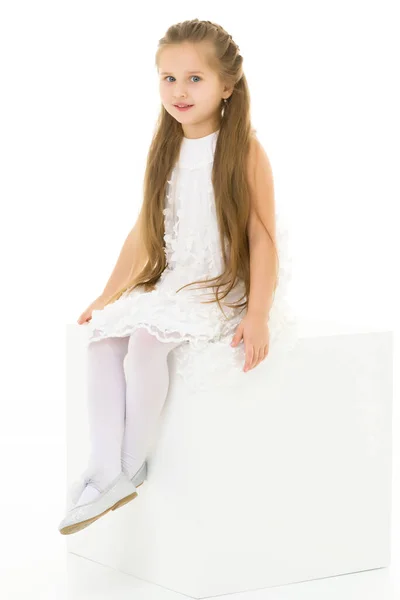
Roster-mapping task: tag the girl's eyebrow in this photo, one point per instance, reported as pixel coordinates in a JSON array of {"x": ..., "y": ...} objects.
[{"x": 167, "y": 73}]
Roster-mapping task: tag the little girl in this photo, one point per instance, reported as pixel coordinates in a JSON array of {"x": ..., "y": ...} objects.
[{"x": 198, "y": 273}]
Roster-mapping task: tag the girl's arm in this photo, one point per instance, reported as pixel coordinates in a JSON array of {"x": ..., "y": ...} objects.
[
  {"x": 262, "y": 219},
  {"x": 254, "y": 328},
  {"x": 131, "y": 258}
]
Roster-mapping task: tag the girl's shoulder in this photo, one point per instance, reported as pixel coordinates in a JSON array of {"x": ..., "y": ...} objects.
[
  {"x": 253, "y": 151},
  {"x": 258, "y": 164}
]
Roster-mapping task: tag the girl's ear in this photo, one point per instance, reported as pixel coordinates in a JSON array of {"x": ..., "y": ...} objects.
[{"x": 227, "y": 91}]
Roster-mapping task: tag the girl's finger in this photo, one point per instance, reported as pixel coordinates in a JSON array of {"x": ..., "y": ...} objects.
[
  {"x": 254, "y": 361},
  {"x": 259, "y": 354},
  {"x": 249, "y": 357}
]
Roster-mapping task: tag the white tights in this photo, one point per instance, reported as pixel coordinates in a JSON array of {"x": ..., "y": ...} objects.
[{"x": 123, "y": 412}]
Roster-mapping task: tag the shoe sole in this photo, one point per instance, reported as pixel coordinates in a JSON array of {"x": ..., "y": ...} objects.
[{"x": 78, "y": 526}]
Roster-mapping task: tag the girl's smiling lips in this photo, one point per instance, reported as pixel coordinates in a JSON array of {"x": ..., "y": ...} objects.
[{"x": 183, "y": 106}]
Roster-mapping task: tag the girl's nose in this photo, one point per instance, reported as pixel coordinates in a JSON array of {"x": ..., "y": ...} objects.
[{"x": 180, "y": 93}]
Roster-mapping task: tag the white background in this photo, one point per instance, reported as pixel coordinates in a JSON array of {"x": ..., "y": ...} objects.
[{"x": 79, "y": 100}]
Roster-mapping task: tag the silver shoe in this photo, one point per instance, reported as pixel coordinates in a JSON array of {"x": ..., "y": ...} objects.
[
  {"x": 78, "y": 486},
  {"x": 120, "y": 491},
  {"x": 140, "y": 475}
]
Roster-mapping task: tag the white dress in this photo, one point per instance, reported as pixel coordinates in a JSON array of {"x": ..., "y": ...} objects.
[{"x": 205, "y": 357}]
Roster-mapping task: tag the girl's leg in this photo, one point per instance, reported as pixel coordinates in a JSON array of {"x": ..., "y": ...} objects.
[
  {"x": 106, "y": 411},
  {"x": 147, "y": 381}
]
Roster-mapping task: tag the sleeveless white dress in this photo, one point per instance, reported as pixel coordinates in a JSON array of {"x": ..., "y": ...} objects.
[{"x": 192, "y": 247}]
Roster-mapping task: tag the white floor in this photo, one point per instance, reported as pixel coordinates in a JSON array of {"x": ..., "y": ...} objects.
[
  {"x": 38, "y": 567},
  {"x": 35, "y": 563}
]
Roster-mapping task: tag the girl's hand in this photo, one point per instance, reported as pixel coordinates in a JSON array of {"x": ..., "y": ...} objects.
[
  {"x": 255, "y": 332},
  {"x": 98, "y": 304}
]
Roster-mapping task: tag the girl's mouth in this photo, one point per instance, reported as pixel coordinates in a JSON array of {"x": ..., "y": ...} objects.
[{"x": 183, "y": 107}]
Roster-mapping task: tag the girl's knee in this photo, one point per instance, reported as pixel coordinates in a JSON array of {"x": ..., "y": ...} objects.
[
  {"x": 142, "y": 340},
  {"x": 143, "y": 344},
  {"x": 109, "y": 346}
]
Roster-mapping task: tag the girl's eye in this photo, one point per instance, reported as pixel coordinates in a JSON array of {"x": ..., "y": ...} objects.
[{"x": 192, "y": 76}]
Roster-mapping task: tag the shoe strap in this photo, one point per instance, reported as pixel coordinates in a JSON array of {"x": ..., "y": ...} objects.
[{"x": 92, "y": 482}]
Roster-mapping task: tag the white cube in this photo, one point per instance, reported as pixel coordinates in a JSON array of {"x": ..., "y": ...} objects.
[{"x": 286, "y": 478}]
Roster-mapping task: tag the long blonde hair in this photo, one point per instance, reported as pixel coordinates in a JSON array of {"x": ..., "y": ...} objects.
[{"x": 229, "y": 171}]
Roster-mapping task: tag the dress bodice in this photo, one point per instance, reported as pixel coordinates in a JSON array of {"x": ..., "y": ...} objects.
[
  {"x": 197, "y": 152},
  {"x": 191, "y": 230}
]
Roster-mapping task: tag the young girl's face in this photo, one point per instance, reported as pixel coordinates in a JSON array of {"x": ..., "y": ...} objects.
[{"x": 185, "y": 77}]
